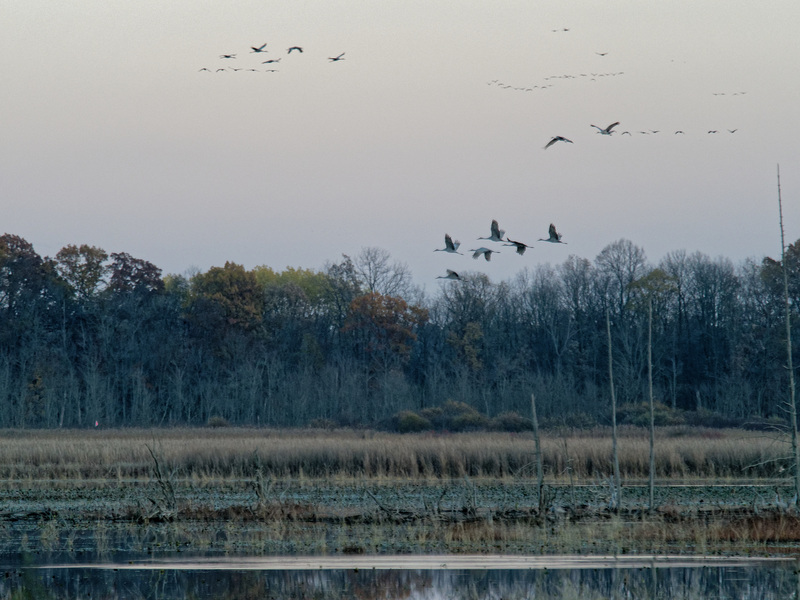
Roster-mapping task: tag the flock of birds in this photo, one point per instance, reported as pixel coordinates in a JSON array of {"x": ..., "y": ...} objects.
[
  {"x": 262, "y": 49},
  {"x": 610, "y": 129},
  {"x": 496, "y": 235},
  {"x": 551, "y": 79},
  {"x": 548, "y": 82}
]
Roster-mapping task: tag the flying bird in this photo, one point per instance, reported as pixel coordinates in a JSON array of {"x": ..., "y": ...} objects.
[
  {"x": 449, "y": 245},
  {"x": 519, "y": 245},
  {"x": 601, "y": 53},
  {"x": 554, "y": 238},
  {"x": 335, "y": 58},
  {"x": 298, "y": 48},
  {"x": 497, "y": 233},
  {"x": 557, "y": 138},
  {"x": 259, "y": 49},
  {"x": 450, "y": 275},
  {"x": 607, "y": 130},
  {"x": 679, "y": 131},
  {"x": 487, "y": 254},
  {"x": 204, "y": 69},
  {"x": 271, "y": 60},
  {"x": 227, "y": 56},
  {"x": 712, "y": 131},
  {"x": 732, "y": 130}
]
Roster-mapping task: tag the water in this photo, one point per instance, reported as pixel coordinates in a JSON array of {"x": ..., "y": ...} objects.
[{"x": 440, "y": 577}]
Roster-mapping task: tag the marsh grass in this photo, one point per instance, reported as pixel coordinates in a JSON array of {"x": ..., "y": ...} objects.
[{"x": 223, "y": 453}]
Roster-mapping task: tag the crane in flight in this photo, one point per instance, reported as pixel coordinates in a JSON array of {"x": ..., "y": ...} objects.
[
  {"x": 497, "y": 233},
  {"x": 450, "y": 275},
  {"x": 298, "y": 48},
  {"x": 256, "y": 50},
  {"x": 607, "y": 130},
  {"x": 554, "y": 238},
  {"x": 335, "y": 58},
  {"x": 519, "y": 246},
  {"x": 227, "y": 56},
  {"x": 557, "y": 138},
  {"x": 485, "y": 252},
  {"x": 449, "y": 245}
]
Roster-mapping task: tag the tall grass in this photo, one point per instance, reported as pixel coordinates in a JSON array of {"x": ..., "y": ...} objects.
[{"x": 235, "y": 453}]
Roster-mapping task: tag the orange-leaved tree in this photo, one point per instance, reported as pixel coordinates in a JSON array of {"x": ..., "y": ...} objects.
[{"x": 384, "y": 327}]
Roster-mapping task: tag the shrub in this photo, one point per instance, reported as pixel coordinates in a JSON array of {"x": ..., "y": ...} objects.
[
  {"x": 460, "y": 416},
  {"x": 510, "y": 421},
  {"x": 470, "y": 421},
  {"x": 435, "y": 415},
  {"x": 639, "y": 414},
  {"x": 321, "y": 423},
  {"x": 407, "y": 421},
  {"x": 574, "y": 420}
]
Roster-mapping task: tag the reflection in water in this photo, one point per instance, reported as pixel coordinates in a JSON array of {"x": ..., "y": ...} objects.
[{"x": 764, "y": 582}]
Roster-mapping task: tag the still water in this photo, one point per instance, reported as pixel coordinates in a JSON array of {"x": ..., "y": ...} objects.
[{"x": 411, "y": 577}]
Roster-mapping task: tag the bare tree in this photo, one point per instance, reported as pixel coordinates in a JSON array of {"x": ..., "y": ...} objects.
[
  {"x": 789, "y": 364},
  {"x": 377, "y": 273},
  {"x": 614, "y": 452}
]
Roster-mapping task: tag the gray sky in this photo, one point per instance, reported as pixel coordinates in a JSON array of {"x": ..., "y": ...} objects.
[{"x": 112, "y": 136}]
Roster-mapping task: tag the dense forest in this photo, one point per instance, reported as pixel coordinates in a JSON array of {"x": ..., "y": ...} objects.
[{"x": 86, "y": 336}]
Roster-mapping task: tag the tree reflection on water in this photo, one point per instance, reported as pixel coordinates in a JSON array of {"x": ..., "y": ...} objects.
[{"x": 765, "y": 582}]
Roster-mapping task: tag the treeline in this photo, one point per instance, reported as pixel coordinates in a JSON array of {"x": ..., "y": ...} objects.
[{"x": 86, "y": 336}]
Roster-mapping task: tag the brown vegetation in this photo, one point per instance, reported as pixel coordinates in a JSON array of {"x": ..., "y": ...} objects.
[{"x": 235, "y": 453}]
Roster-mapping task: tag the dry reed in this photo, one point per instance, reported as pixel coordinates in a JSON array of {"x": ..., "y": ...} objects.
[{"x": 240, "y": 453}]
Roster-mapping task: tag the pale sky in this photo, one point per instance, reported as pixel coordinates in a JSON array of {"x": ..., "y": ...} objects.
[{"x": 113, "y": 137}]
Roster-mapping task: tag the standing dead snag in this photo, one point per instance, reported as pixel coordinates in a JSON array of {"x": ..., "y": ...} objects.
[
  {"x": 789, "y": 362},
  {"x": 651, "y": 505},
  {"x": 539, "y": 469},
  {"x": 165, "y": 504},
  {"x": 617, "y": 500}
]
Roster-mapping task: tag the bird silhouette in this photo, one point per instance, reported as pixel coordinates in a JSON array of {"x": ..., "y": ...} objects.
[
  {"x": 487, "y": 254},
  {"x": 554, "y": 238},
  {"x": 335, "y": 58},
  {"x": 449, "y": 245},
  {"x": 259, "y": 49},
  {"x": 450, "y": 275},
  {"x": 227, "y": 56},
  {"x": 204, "y": 69},
  {"x": 298, "y": 48},
  {"x": 607, "y": 130},
  {"x": 732, "y": 130},
  {"x": 679, "y": 131},
  {"x": 497, "y": 233},
  {"x": 271, "y": 60},
  {"x": 519, "y": 245},
  {"x": 557, "y": 138}
]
